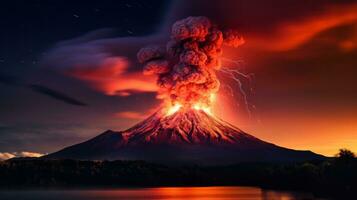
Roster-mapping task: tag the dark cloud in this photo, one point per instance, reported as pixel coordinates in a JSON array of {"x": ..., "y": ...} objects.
[
  {"x": 9, "y": 80},
  {"x": 14, "y": 81},
  {"x": 56, "y": 95}
]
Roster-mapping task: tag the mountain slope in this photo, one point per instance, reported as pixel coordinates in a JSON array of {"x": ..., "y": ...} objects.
[{"x": 185, "y": 136}]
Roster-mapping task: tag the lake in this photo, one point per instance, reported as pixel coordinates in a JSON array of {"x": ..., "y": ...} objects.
[{"x": 160, "y": 193}]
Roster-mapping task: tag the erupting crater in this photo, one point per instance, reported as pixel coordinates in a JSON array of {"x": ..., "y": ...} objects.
[{"x": 185, "y": 126}]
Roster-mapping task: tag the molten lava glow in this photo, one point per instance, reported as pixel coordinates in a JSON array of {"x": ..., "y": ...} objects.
[
  {"x": 175, "y": 108},
  {"x": 204, "y": 108},
  {"x": 171, "y": 110},
  {"x": 197, "y": 106}
]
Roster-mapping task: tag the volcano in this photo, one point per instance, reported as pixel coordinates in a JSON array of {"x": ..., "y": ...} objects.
[{"x": 189, "y": 136}]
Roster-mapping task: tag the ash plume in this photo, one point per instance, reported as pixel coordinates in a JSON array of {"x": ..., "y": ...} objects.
[{"x": 186, "y": 66}]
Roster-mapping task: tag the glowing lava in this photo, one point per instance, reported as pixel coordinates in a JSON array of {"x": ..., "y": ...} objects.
[
  {"x": 178, "y": 107},
  {"x": 171, "y": 109}
]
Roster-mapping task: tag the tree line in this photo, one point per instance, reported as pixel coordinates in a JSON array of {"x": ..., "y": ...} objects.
[{"x": 333, "y": 176}]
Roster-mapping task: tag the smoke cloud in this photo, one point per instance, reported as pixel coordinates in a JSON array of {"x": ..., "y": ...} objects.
[{"x": 186, "y": 67}]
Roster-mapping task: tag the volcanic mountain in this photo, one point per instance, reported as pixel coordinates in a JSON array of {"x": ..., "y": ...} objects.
[{"x": 189, "y": 136}]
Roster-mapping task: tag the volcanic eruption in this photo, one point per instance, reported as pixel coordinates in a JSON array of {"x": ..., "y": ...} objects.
[
  {"x": 184, "y": 129},
  {"x": 186, "y": 66}
]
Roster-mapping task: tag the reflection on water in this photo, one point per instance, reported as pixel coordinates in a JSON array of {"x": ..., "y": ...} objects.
[{"x": 169, "y": 193}]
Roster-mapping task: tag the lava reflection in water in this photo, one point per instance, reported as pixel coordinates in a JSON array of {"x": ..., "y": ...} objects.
[{"x": 160, "y": 193}]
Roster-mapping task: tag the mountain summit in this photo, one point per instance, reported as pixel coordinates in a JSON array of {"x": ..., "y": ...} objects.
[{"x": 185, "y": 136}]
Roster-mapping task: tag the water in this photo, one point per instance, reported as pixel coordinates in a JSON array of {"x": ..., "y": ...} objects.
[{"x": 161, "y": 193}]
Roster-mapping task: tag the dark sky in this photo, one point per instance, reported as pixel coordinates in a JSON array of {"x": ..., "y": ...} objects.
[{"x": 68, "y": 70}]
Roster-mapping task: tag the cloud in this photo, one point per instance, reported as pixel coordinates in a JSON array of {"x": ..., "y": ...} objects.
[
  {"x": 130, "y": 115},
  {"x": 349, "y": 44},
  {"x": 17, "y": 82},
  {"x": 56, "y": 95},
  {"x": 290, "y": 35},
  {"x": 7, "y": 155},
  {"x": 28, "y": 154},
  {"x": 107, "y": 64},
  {"x": 112, "y": 77},
  {"x": 273, "y": 26}
]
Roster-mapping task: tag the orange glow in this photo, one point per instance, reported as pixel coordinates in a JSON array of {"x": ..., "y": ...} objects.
[
  {"x": 171, "y": 109},
  {"x": 194, "y": 193},
  {"x": 112, "y": 78},
  {"x": 292, "y": 34},
  {"x": 204, "y": 107},
  {"x": 321, "y": 130},
  {"x": 130, "y": 115},
  {"x": 204, "y": 193},
  {"x": 200, "y": 107}
]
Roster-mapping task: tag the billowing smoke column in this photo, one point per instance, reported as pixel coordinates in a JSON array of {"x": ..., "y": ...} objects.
[{"x": 186, "y": 67}]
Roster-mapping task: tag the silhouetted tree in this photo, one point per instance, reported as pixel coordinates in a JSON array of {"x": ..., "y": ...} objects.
[{"x": 345, "y": 156}]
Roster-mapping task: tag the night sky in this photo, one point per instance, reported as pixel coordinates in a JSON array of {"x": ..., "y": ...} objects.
[{"x": 68, "y": 70}]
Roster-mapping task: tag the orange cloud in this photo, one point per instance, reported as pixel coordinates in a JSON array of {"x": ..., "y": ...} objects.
[
  {"x": 290, "y": 35},
  {"x": 349, "y": 43},
  {"x": 7, "y": 155},
  {"x": 112, "y": 77},
  {"x": 130, "y": 115},
  {"x": 29, "y": 154}
]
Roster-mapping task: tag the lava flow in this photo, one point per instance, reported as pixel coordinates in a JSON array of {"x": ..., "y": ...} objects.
[{"x": 186, "y": 67}]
